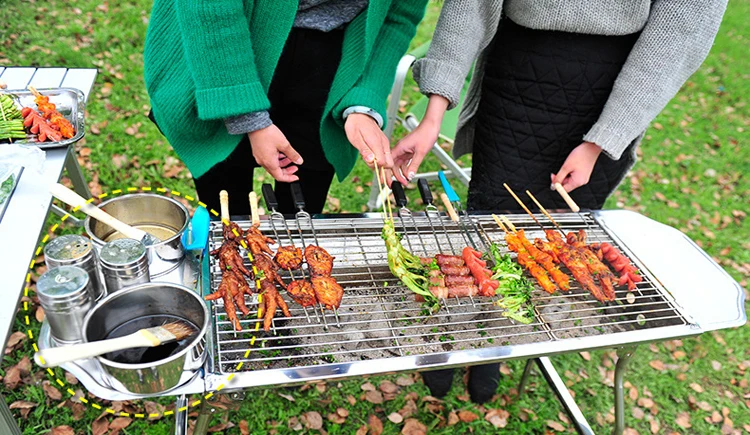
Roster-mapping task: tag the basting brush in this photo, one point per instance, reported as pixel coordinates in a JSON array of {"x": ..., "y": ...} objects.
[{"x": 147, "y": 337}]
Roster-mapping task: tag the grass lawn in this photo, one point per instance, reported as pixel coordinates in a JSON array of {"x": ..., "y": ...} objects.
[{"x": 693, "y": 175}]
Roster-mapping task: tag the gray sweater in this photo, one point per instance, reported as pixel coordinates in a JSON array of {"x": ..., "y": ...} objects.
[{"x": 676, "y": 36}]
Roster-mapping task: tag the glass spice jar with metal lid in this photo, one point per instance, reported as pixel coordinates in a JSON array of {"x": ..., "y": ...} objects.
[
  {"x": 76, "y": 250},
  {"x": 124, "y": 263},
  {"x": 65, "y": 297}
]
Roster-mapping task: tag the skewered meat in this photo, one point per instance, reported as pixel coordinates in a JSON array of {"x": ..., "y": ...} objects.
[
  {"x": 440, "y": 292},
  {"x": 318, "y": 260},
  {"x": 270, "y": 301},
  {"x": 302, "y": 292},
  {"x": 463, "y": 291},
  {"x": 449, "y": 260},
  {"x": 545, "y": 260},
  {"x": 439, "y": 280},
  {"x": 628, "y": 274},
  {"x": 525, "y": 260},
  {"x": 479, "y": 271},
  {"x": 257, "y": 243},
  {"x": 288, "y": 257},
  {"x": 232, "y": 232},
  {"x": 327, "y": 291},
  {"x": 455, "y": 270},
  {"x": 49, "y": 110},
  {"x": 40, "y": 126},
  {"x": 230, "y": 291},
  {"x": 574, "y": 261},
  {"x": 455, "y": 280},
  {"x": 230, "y": 259},
  {"x": 264, "y": 264},
  {"x": 594, "y": 264}
]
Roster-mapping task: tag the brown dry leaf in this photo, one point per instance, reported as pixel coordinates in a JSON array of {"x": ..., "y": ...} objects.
[
  {"x": 629, "y": 431},
  {"x": 395, "y": 417},
  {"x": 555, "y": 425},
  {"x": 321, "y": 388},
  {"x": 69, "y": 378},
  {"x": 119, "y": 160},
  {"x": 14, "y": 339},
  {"x": 716, "y": 365},
  {"x": 453, "y": 418},
  {"x": 244, "y": 428},
  {"x": 153, "y": 408},
  {"x": 585, "y": 355},
  {"x": 656, "y": 365},
  {"x": 375, "y": 425},
  {"x": 294, "y": 424},
  {"x": 467, "y": 416},
  {"x": 334, "y": 204},
  {"x": 716, "y": 417},
  {"x": 404, "y": 381},
  {"x": 352, "y": 401},
  {"x": 62, "y": 430},
  {"x": 696, "y": 387},
  {"x": 497, "y": 417},
  {"x": 84, "y": 152},
  {"x": 362, "y": 430},
  {"x": 638, "y": 413},
  {"x": 120, "y": 423},
  {"x": 287, "y": 397},
  {"x": 220, "y": 427},
  {"x": 23, "y": 406},
  {"x": 431, "y": 399},
  {"x": 367, "y": 387},
  {"x": 633, "y": 393},
  {"x": 375, "y": 397},
  {"x": 388, "y": 387},
  {"x": 12, "y": 377},
  {"x": 312, "y": 420},
  {"x": 51, "y": 392},
  {"x": 24, "y": 365},
  {"x": 683, "y": 420},
  {"x": 336, "y": 419},
  {"x": 645, "y": 402},
  {"x": 39, "y": 314},
  {"x": 414, "y": 427},
  {"x": 409, "y": 408},
  {"x": 359, "y": 189},
  {"x": 78, "y": 410},
  {"x": 342, "y": 412},
  {"x": 504, "y": 369},
  {"x": 654, "y": 424},
  {"x": 100, "y": 426}
]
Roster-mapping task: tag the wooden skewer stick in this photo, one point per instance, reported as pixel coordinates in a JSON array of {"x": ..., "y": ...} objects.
[
  {"x": 224, "y": 202},
  {"x": 508, "y": 223},
  {"x": 500, "y": 223},
  {"x": 254, "y": 216},
  {"x": 449, "y": 207},
  {"x": 526, "y": 209},
  {"x": 568, "y": 200},
  {"x": 545, "y": 212}
]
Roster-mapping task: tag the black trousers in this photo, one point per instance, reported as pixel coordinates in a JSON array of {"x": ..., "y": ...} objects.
[{"x": 298, "y": 94}]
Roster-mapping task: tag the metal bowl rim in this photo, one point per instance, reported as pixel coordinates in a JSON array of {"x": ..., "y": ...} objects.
[
  {"x": 178, "y": 234},
  {"x": 120, "y": 293}
]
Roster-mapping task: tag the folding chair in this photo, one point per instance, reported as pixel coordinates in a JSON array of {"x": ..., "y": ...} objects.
[{"x": 411, "y": 121}]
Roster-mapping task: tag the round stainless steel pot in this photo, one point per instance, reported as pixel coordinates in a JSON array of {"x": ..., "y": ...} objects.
[
  {"x": 159, "y": 215},
  {"x": 149, "y": 300}
]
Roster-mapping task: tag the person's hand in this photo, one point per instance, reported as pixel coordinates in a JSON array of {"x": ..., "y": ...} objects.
[
  {"x": 412, "y": 149},
  {"x": 576, "y": 170},
  {"x": 275, "y": 154},
  {"x": 365, "y": 135}
]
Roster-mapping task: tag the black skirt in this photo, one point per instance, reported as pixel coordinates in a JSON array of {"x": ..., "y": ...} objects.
[{"x": 542, "y": 91}]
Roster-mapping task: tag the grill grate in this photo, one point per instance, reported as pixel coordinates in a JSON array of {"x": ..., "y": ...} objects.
[{"x": 379, "y": 318}]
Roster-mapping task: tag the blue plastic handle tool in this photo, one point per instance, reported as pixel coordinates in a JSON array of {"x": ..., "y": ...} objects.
[
  {"x": 196, "y": 236},
  {"x": 452, "y": 195}
]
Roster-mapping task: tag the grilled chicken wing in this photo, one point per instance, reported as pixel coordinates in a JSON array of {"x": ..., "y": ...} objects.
[
  {"x": 327, "y": 291},
  {"x": 289, "y": 257},
  {"x": 318, "y": 260},
  {"x": 230, "y": 259},
  {"x": 232, "y": 232},
  {"x": 263, "y": 263},
  {"x": 257, "y": 242},
  {"x": 302, "y": 292}
]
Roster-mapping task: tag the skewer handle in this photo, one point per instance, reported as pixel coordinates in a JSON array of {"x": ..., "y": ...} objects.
[
  {"x": 425, "y": 192},
  {"x": 224, "y": 202},
  {"x": 449, "y": 207},
  {"x": 254, "y": 216},
  {"x": 269, "y": 196},
  {"x": 568, "y": 200},
  {"x": 299, "y": 200},
  {"x": 399, "y": 194}
]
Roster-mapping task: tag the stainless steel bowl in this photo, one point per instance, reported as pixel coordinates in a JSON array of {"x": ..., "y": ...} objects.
[
  {"x": 159, "y": 215},
  {"x": 152, "y": 299}
]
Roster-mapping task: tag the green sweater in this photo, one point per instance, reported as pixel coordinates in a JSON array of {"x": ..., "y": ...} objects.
[{"x": 206, "y": 60}]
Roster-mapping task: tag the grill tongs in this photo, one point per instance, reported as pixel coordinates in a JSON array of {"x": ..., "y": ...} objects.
[{"x": 301, "y": 216}]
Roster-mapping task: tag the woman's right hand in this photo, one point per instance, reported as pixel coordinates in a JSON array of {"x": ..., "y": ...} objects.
[
  {"x": 274, "y": 153},
  {"x": 412, "y": 149}
]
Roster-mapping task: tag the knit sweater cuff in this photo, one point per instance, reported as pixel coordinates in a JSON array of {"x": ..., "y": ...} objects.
[
  {"x": 439, "y": 78},
  {"x": 248, "y": 122},
  {"x": 613, "y": 143},
  {"x": 359, "y": 96},
  {"x": 223, "y": 102}
]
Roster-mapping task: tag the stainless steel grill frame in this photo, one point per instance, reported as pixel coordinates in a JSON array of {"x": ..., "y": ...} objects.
[{"x": 379, "y": 320}]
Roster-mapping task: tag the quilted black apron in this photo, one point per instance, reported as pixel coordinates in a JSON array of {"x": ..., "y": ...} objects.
[{"x": 542, "y": 91}]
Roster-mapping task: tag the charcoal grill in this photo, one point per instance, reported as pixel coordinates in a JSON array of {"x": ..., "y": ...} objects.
[{"x": 380, "y": 328}]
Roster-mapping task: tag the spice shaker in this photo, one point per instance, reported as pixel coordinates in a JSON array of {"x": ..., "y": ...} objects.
[
  {"x": 124, "y": 263},
  {"x": 65, "y": 296},
  {"x": 75, "y": 250}
]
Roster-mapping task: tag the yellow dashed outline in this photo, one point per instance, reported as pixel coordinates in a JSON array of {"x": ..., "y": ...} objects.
[{"x": 59, "y": 381}]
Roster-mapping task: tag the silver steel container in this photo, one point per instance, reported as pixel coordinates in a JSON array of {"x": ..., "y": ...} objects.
[
  {"x": 153, "y": 299},
  {"x": 75, "y": 250},
  {"x": 65, "y": 296},
  {"x": 124, "y": 263},
  {"x": 158, "y": 215}
]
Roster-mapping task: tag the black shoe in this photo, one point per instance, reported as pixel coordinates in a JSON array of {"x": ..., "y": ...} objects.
[
  {"x": 483, "y": 382},
  {"x": 438, "y": 381}
]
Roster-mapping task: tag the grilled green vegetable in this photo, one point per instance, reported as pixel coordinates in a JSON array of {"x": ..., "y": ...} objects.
[{"x": 514, "y": 288}]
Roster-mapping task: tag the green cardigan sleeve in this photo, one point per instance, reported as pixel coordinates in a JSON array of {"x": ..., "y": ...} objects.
[
  {"x": 219, "y": 51},
  {"x": 372, "y": 89}
]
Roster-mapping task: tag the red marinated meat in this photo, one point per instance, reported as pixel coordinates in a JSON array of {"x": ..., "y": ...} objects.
[
  {"x": 455, "y": 280},
  {"x": 449, "y": 260},
  {"x": 463, "y": 291},
  {"x": 455, "y": 270},
  {"x": 487, "y": 286}
]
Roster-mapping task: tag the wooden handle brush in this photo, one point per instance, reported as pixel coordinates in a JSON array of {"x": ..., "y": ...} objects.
[{"x": 148, "y": 337}]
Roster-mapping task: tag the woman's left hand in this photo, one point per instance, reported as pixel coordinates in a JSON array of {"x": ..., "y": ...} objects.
[
  {"x": 366, "y": 136},
  {"x": 576, "y": 170}
]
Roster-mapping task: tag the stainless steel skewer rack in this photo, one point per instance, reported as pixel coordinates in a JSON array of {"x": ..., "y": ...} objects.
[{"x": 380, "y": 328}]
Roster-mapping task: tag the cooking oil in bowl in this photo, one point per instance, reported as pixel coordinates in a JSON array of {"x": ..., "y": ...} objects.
[
  {"x": 142, "y": 355},
  {"x": 159, "y": 231}
]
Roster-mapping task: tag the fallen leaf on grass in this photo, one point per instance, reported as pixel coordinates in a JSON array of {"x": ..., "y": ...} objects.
[
  {"x": 696, "y": 387},
  {"x": 294, "y": 424},
  {"x": 367, "y": 387},
  {"x": 555, "y": 425},
  {"x": 467, "y": 416},
  {"x": 244, "y": 428},
  {"x": 585, "y": 355},
  {"x": 352, "y": 401},
  {"x": 645, "y": 402},
  {"x": 630, "y": 431},
  {"x": 414, "y": 427},
  {"x": 120, "y": 423},
  {"x": 362, "y": 430},
  {"x": 716, "y": 365},
  {"x": 312, "y": 420},
  {"x": 12, "y": 377},
  {"x": 497, "y": 417},
  {"x": 716, "y": 417},
  {"x": 375, "y": 425},
  {"x": 342, "y": 412},
  {"x": 14, "y": 339},
  {"x": 656, "y": 365},
  {"x": 23, "y": 406},
  {"x": 336, "y": 419},
  {"x": 409, "y": 409},
  {"x": 638, "y": 413},
  {"x": 220, "y": 427},
  {"x": 62, "y": 430},
  {"x": 654, "y": 426},
  {"x": 287, "y": 397},
  {"x": 77, "y": 409},
  {"x": 51, "y": 392},
  {"x": 683, "y": 420},
  {"x": 395, "y": 417},
  {"x": 100, "y": 426},
  {"x": 453, "y": 418},
  {"x": 404, "y": 381},
  {"x": 39, "y": 314},
  {"x": 375, "y": 397},
  {"x": 24, "y": 365},
  {"x": 69, "y": 378},
  {"x": 388, "y": 387}
]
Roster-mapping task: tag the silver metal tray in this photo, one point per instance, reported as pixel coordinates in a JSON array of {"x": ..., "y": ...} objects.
[{"x": 70, "y": 103}]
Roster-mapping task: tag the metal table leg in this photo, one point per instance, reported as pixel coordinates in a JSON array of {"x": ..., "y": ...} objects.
[
  {"x": 181, "y": 418},
  {"x": 563, "y": 395},
  {"x": 623, "y": 356},
  {"x": 525, "y": 376},
  {"x": 203, "y": 420},
  {"x": 76, "y": 174}
]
